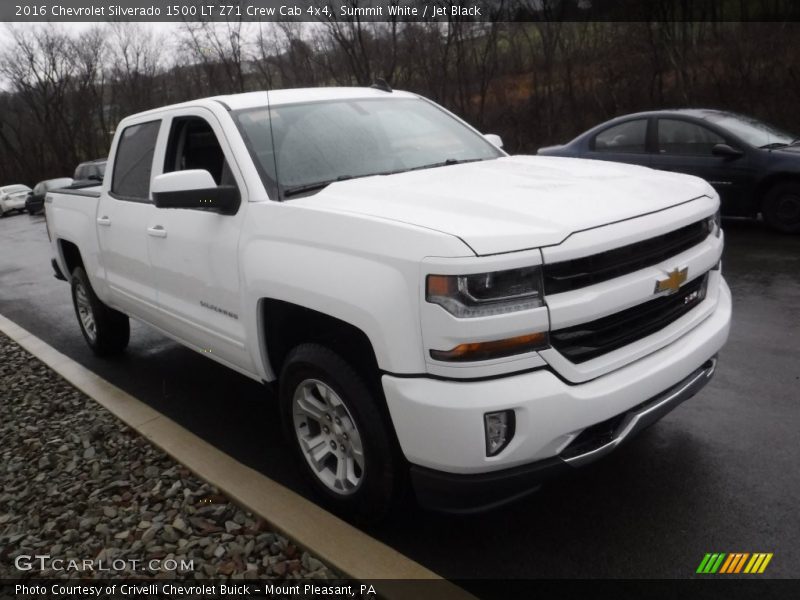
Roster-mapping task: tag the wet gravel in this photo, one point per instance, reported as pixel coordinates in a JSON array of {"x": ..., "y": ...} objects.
[{"x": 77, "y": 484}]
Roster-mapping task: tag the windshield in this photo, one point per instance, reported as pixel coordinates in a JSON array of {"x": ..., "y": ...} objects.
[
  {"x": 322, "y": 142},
  {"x": 754, "y": 132},
  {"x": 14, "y": 189}
]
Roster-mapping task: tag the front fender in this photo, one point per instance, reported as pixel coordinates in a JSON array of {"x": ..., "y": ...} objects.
[{"x": 363, "y": 271}]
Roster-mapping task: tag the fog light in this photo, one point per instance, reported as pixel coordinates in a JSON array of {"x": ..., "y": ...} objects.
[{"x": 499, "y": 427}]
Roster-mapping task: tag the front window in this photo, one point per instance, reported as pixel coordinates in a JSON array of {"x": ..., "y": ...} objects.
[
  {"x": 303, "y": 147},
  {"x": 676, "y": 136},
  {"x": 754, "y": 132}
]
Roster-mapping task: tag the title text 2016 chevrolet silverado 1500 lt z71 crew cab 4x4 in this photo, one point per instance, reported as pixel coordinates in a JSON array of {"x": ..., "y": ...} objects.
[{"x": 431, "y": 308}]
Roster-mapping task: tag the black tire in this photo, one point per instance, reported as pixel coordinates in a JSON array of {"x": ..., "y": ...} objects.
[
  {"x": 111, "y": 331},
  {"x": 382, "y": 475},
  {"x": 781, "y": 207}
]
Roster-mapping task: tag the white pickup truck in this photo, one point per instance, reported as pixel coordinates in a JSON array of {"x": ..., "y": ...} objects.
[{"x": 432, "y": 310}]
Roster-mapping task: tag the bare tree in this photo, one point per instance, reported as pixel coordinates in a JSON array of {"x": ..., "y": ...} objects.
[
  {"x": 534, "y": 83},
  {"x": 220, "y": 49},
  {"x": 135, "y": 56}
]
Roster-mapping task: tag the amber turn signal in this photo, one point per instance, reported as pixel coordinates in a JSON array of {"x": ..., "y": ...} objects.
[
  {"x": 441, "y": 285},
  {"x": 494, "y": 349}
]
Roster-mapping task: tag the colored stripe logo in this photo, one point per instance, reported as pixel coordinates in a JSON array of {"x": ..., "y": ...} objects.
[{"x": 735, "y": 562}]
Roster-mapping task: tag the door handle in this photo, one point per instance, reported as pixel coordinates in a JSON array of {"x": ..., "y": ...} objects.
[
  {"x": 157, "y": 231},
  {"x": 104, "y": 220}
]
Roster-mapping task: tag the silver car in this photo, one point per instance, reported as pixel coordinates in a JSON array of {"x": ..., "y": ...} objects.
[{"x": 12, "y": 198}]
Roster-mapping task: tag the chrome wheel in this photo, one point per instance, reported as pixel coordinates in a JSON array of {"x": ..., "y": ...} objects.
[
  {"x": 85, "y": 312},
  {"x": 328, "y": 437}
]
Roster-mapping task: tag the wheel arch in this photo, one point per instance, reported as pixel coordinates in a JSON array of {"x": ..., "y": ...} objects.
[
  {"x": 284, "y": 325},
  {"x": 70, "y": 257},
  {"x": 770, "y": 181}
]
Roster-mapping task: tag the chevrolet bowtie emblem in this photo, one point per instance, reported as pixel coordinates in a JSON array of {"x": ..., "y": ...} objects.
[{"x": 673, "y": 282}]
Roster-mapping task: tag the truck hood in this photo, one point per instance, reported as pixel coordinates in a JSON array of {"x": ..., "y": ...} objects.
[{"x": 512, "y": 203}]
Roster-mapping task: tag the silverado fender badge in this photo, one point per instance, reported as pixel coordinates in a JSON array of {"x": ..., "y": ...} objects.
[{"x": 673, "y": 281}]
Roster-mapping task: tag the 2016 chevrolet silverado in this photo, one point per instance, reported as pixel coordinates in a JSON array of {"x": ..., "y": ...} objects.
[{"x": 430, "y": 308}]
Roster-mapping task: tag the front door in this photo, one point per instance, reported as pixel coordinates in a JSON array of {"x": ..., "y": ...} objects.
[
  {"x": 686, "y": 147},
  {"x": 194, "y": 253}
]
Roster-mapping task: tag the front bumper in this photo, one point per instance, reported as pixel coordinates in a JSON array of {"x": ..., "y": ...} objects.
[
  {"x": 456, "y": 493},
  {"x": 439, "y": 424}
]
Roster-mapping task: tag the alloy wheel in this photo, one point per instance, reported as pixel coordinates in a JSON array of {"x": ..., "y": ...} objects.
[
  {"x": 328, "y": 436},
  {"x": 85, "y": 312}
]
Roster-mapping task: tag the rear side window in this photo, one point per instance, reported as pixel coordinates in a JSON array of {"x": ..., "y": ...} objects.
[
  {"x": 625, "y": 137},
  {"x": 134, "y": 161}
]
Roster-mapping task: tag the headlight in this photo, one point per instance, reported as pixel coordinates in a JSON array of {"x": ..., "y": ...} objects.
[
  {"x": 714, "y": 224},
  {"x": 485, "y": 294}
]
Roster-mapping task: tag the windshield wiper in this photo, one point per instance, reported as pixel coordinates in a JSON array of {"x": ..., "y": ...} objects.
[
  {"x": 444, "y": 163},
  {"x": 318, "y": 185},
  {"x": 310, "y": 187},
  {"x": 774, "y": 145}
]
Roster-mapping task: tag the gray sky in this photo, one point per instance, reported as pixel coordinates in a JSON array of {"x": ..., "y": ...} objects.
[
  {"x": 80, "y": 26},
  {"x": 75, "y": 28}
]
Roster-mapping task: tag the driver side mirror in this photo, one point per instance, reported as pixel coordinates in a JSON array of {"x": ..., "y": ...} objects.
[
  {"x": 195, "y": 189},
  {"x": 726, "y": 151},
  {"x": 494, "y": 139}
]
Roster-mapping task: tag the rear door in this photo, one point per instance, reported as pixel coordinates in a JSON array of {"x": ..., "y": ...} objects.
[
  {"x": 685, "y": 146},
  {"x": 122, "y": 217}
]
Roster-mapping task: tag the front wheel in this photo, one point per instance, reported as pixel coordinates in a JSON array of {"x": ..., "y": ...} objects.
[
  {"x": 781, "y": 207},
  {"x": 106, "y": 330},
  {"x": 338, "y": 433}
]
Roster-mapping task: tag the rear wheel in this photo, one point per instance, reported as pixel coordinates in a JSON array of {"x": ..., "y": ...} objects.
[
  {"x": 106, "y": 330},
  {"x": 338, "y": 433},
  {"x": 781, "y": 207}
]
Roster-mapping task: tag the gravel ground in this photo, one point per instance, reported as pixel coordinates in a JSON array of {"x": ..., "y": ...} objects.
[{"x": 76, "y": 483}]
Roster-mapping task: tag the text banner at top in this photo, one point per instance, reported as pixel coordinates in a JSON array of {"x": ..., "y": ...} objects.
[{"x": 394, "y": 10}]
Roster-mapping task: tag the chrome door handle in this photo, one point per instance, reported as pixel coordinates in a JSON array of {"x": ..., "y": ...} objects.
[
  {"x": 104, "y": 220},
  {"x": 157, "y": 231}
]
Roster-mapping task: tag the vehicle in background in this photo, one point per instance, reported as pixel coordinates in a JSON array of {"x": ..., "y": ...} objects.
[
  {"x": 12, "y": 198},
  {"x": 34, "y": 203},
  {"x": 754, "y": 166},
  {"x": 426, "y": 306},
  {"x": 89, "y": 173}
]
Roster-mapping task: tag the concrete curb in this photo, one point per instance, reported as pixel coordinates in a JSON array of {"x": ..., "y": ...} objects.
[{"x": 335, "y": 542}]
